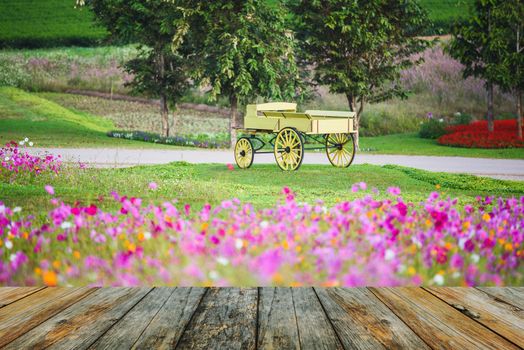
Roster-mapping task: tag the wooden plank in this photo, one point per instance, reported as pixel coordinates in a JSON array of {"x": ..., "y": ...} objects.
[
  {"x": 128, "y": 329},
  {"x": 225, "y": 319},
  {"x": 18, "y": 318},
  {"x": 166, "y": 328},
  {"x": 277, "y": 323},
  {"x": 82, "y": 324},
  {"x": 502, "y": 318},
  {"x": 315, "y": 330},
  {"x": 437, "y": 323},
  {"x": 363, "y": 322},
  {"x": 9, "y": 295},
  {"x": 511, "y": 295}
]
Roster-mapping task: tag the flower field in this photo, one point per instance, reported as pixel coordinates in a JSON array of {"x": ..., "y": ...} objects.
[
  {"x": 476, "y": 135},
  {"x": 372, "y": 240},
  {"x": 364, "y": 242}
]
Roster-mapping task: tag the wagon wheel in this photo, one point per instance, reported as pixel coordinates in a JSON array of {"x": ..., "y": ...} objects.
[
  {"x": 340, "y": 149},
  {"x": 289, "y": 149},
  {"x": 244, "y": 153}
]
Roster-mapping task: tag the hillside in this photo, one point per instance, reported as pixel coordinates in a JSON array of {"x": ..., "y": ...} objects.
[
  {"x": 51, "y": 23},
  {"x": 46, "y": 23}
]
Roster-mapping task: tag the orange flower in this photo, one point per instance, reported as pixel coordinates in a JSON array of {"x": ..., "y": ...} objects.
[{"x": 50, "y": 278}]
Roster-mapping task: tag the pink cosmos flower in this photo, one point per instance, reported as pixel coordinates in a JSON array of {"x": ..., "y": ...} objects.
[
  {"x": 49, "y": 189},
  {"x": 153, "y": 186}
]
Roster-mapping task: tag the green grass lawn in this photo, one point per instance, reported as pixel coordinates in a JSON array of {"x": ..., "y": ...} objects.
[
  {"x": 260, "y": 185},
  {"x": 50, "y": 125},
  {"x": 39, "y": 23},
  {"x": 411, "y": 144}
]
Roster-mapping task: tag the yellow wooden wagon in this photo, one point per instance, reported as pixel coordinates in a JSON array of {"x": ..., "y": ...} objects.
[{"x": 333, "y": 130}]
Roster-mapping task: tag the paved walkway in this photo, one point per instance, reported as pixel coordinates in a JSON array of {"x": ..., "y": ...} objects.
[{"x": 497, "y": 168}]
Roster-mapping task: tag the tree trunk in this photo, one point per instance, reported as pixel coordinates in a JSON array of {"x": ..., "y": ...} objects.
[
  {"x": 353, "y": 108},
  {"x": 175, "y": 118},
  {"x": 519, "y": 113},
  {"x": 164, "y": 113},
  {"x": 233, "y": 119},
  {"x": 490, "y": 117}
]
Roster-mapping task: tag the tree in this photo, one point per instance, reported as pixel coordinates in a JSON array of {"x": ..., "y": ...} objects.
[
  {"x": 160, "y": 69},
  {"x": 245, "y": 52},
  {"x": 359, "y": 48},
  {"x": 509, "y": 18},
  {"x": 477, "y": 45}
]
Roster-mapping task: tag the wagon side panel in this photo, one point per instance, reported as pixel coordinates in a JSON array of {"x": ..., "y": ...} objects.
[{"x": 332, "y": 126}]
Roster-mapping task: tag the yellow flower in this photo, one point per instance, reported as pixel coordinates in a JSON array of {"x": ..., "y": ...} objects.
[
  {"x": 411, "y": 271},
  {"x": 56, "y": 264},
  {"x": 38, "y": 271},
  {"x": 486, "y": 217},
  {"x": 76, "y": 254},
  {"x": 285, "y": 244},
  {"x": 278, "y": 279},
  {"x": 437, "y": 186}
]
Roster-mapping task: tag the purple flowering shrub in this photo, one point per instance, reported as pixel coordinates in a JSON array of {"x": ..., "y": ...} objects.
[
  {"x": 16, "y": 163},
  {"x": 364, "y": 242}
]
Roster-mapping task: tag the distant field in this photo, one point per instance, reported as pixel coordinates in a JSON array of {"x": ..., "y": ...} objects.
[
  {"x": 49, "y": 23},
  {"x": 444, "y": 13},
  {"x": 45, "y": 23}
]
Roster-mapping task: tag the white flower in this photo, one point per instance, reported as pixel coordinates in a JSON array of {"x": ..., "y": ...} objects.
[
  {"x": 6, "y": 159},
  {"x": 66, "y": 225},
  {"x": 389, "y": 255},
  {"x": 26, "y": 139},
  {"x": 12, "y": 257},
  {"x": 222, "y": 261},
  {"x": 264, "y": 224},
  {"x": 9, "y": 244},
  {"x": 461, "y": 243},
  {"x": 441, "y": 120},
  {"x": 214, "y": 275},
  {"x": 21, "y": 143},
  {"x": 2, "y": 209},
  {"x": 438, "y": 279},
  {"x": 17, "y": 210},
  {"x": 456, "y": 274},
  {"x": 475, "y": 258},
  {"x": 239, "y": 243},
  {"x": 31, "y": 144},
  {"x": 147, "y": 235}
]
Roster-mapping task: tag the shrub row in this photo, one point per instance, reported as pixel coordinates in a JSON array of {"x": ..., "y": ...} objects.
[{"x": 201, "y": 140}]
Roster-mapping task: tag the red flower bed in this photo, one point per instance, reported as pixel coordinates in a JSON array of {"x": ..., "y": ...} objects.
[{"x": 476, "y": 135}]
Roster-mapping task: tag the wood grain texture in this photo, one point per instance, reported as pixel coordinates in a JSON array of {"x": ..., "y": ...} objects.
[
  {"x": 128, "y": 329},
  {"x": 437, "y": 323},
  {"x": 277, "y": 323},
  {"x": 78, "y": 326},
  {"x": 364, "y": 322},
  {"x": 315, "y": 330},
  {"x": 166, "y": 328},
  {"x": 505, "y": 319},
  {"x": 27, "y": 313},
  {"x": 510, "y": 295},
  {"x": 9, "y": 295},
  {"x": 225, "y": 319}
]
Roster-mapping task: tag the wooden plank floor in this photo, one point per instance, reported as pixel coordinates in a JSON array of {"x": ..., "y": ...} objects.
[{"x": 265, "y": 318}]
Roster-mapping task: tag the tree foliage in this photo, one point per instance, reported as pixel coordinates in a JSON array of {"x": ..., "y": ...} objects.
[
  {"x": 244, "y": 52},
  {"x": 359, "y": 48},
  {"x": 161, "y": 67}
]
